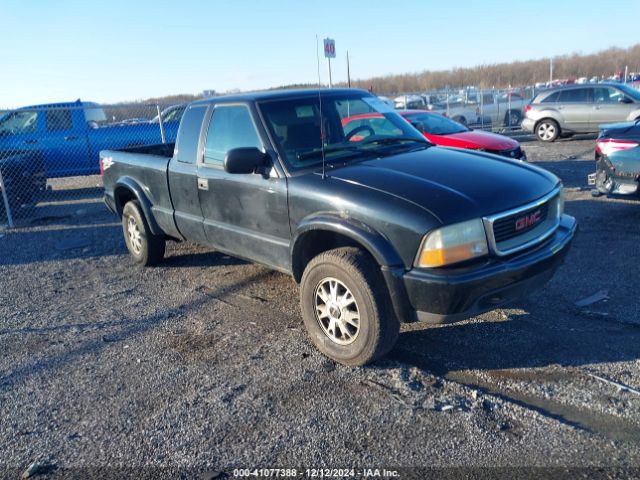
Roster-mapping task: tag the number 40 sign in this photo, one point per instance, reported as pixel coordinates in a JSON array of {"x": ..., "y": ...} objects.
[{"x": 329, "y": 48}]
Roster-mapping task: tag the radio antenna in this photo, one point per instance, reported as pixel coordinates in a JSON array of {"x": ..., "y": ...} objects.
[{"x": 321, "y": 117}]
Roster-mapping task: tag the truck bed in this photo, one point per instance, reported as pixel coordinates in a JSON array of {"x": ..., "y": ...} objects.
[
  {"x": 159, "y": 150},
  {"x": 148, "y": 165}
]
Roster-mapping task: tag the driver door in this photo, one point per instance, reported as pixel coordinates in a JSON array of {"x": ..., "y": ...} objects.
[{"x": 244, "y": 214}]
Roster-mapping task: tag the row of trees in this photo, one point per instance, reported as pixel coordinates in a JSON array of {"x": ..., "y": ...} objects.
[
  {"x": 500, "y": 75},
  {"x": 520, "y": 73}
]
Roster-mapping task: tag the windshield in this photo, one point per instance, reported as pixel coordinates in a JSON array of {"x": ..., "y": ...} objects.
[
  {"x": 635, "y": 94},
  {"x": 436, "y": 124},
  {"x": 21, "y": 121},
  {"x": 354, "y": 125}
]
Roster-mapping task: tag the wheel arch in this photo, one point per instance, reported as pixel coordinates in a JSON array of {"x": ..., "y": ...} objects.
[
  {"x": 325, "y": 232},
  {"x": 127, "y": 189}
]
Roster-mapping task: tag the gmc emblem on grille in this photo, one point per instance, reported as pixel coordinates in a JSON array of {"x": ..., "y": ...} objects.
[{"x": 528, "y": 220}]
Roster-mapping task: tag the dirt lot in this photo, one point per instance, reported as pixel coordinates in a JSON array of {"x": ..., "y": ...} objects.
[{"x": 203, "y": 363}]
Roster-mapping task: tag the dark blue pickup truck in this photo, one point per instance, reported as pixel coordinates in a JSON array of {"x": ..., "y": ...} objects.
[
  {"x": 61, "y": 140},
  {"x": 376, "y": 224}
]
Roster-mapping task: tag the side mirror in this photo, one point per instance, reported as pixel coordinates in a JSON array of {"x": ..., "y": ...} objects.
[
  {"x": 244, "y": 160},
  {"x": 418, "y": 126},
  {"x": 625, "y": 100}
]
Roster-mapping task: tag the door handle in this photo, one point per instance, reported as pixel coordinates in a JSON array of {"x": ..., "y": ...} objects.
[
  {"x": 31, "y": 141},
  {"x": 203, "y": 184},
  {"x": 70, "y": 137},
  {"x": 596, "y": 107}
]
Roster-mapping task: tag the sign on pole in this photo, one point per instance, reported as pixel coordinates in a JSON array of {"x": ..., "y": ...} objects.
[
  {"x": 329, "y": 53},
  {"x": 329, "y": 48}
]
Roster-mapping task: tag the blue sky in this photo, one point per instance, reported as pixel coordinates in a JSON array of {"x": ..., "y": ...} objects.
[{"x": 115, "y": 50}]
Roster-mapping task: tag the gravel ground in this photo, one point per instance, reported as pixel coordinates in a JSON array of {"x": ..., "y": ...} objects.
[{"x": 202, "y": 364}]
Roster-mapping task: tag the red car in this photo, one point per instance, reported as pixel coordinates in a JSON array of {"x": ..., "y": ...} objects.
[{"x": 444, "y": 132}]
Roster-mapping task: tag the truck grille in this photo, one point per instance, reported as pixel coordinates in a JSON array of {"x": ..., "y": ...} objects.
[
  {"x": 526, "y": 226},
  {"x": 508, "y": 227}
]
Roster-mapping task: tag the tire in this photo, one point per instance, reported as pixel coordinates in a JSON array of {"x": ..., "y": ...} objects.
[
  {"x": 547, "y": 130},
  {"x": 460, "y": 119},
  {"x": 325, "y": 309},
  {"x": 145, "y": 247},
  {"x": 512, "y": 118}
]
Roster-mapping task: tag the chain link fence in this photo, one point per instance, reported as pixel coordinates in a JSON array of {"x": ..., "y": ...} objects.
[
  {"x": 498, "y": 110},
  {"x": 49, "y": 154}
]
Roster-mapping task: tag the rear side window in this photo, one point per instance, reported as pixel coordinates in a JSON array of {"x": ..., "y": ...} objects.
[
  {"x": 551, "y": 98},
  {"x": 189, "y": 134},
  {"x": 607, "y": 95},
  {"x": 230, "y": 127},
  {"x": 575, "y": 95},
  {"x": 58, "y": 120}
]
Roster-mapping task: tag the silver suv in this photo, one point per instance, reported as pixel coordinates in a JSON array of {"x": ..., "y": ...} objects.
[{"x": 580, "y": 109}]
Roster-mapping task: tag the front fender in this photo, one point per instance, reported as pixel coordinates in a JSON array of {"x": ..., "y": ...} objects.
[
  {"x": 130, "y": 185},
  {"x": 373, "y": 241},
  {"x": 377, "y": 245}
]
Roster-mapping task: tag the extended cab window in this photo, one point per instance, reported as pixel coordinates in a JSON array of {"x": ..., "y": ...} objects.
[
  {"x": 189, "y": 134},
  {"x": 231, "y": 127},
  {"x": 575, "y": 95},
  {"x": 19, "y": 122},
  {"x": 58, "y": 120}
]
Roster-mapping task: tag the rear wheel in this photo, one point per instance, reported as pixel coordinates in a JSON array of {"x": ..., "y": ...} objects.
[
  {"x": 512, "y": 118},
  {"x": 145, "y": 247},
  {"x": 547, "y": 130},
  {"x": 346, "y": 307}
]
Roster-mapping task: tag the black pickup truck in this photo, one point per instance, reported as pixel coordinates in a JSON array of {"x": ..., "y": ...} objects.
[{"x": 376, "y": 224}]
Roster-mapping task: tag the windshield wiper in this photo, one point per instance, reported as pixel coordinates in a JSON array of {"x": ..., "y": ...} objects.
[
  {"x": 318, "y": 153},
  {"x": 393, "y": 141}
]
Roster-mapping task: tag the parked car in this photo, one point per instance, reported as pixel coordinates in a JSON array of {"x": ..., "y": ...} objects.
[
  {"x": 409, "y": 101},
  {"x": 379, "y": 231},
  {"x": 617, "y": 159},
  {"x": 69, "y": 136},
  {"x": 487, "y": 108},
  {"x": 443, "y": 131},
  {"x": 580, "y": 109},
  {"x": 171, "y": 114}
]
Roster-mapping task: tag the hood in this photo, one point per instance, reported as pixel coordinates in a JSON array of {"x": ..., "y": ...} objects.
[
  {"x": 453, "y": 185},
  {"x": 622, "y": 127},
  {"x": 475, "y": 139}
]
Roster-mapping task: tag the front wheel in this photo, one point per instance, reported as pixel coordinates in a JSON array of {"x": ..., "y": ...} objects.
[
  {"x": 145, "y": 247},
  {"x": 346, "y": 307},
  {"x": 547, "y": 130}
]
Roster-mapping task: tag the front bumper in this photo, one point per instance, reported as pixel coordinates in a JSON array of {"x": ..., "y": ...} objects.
[
  {"x": 441, "y": 296},
  {"x": 528, "y": 124},
  {"x": 109, "y": 202}
]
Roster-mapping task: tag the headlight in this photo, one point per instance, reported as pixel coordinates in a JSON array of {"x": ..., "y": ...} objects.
[
  {"x": 561, "y": 202},
  {"x": 453, "y": 244}
]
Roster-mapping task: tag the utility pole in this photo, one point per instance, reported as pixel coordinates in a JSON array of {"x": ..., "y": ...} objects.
[
  {"x": 550, "y": 71},
  {"x": 348, "y": 71}
]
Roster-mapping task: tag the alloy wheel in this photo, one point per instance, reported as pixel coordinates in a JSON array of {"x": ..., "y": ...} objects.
[{"x": 337, "y": 311}]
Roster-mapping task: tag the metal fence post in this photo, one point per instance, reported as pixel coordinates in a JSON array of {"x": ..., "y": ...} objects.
[
  {"x": 5, "y": 198},
  {"x": 161, "y": 123}
]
